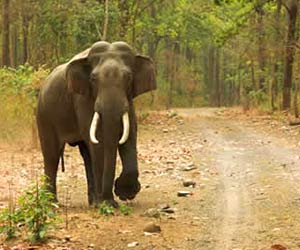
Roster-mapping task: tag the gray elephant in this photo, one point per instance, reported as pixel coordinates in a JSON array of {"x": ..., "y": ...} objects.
[{"x": 88, "y": 102}]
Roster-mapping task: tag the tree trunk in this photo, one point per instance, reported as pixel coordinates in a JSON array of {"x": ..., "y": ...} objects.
[
  {"x": 261, "y": 47},
  {"x": 289, "y": 55},
  {"x": 211, "y": 70},
  {"x": 151, "y": 36},
  {"x": 14, "y": 45},
  {"x": 217, "y": 91},
  {"x": 105, "y": 26},
  {"x": 25, "y": 28},
  {"x": 5, "y": 33},
  {"x": 296, "y": 110},
  {"x": 124, "y": 18},
  {"x": 223, "y": 79},
  {"x": 274, "y": 87}
]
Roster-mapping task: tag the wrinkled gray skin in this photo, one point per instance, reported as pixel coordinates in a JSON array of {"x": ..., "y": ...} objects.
[{"x": 104, "y": 78}]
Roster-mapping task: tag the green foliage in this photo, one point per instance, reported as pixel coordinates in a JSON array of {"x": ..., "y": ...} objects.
[
  {"x": 187, "y": 41},
  {"x": 125, "y": 209},
  {"x": 9, "y": 220},
  {"x": 172, "y": 114},
  {"x": 38, "y": 210},
  {"x": 105, "y": 209},
  {"x": 143, "y": 115},
  {"x": 19, "y": 90}
]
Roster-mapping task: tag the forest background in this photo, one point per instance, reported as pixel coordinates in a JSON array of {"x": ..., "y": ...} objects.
[{"x": 207, "y": 53}]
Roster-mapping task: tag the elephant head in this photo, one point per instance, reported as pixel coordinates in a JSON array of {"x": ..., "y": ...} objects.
[{"x": 112, "y": 74}]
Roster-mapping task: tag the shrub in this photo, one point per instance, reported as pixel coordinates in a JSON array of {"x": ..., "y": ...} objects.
[
  {"x": 105, "y": 209},
  {"x": 126, "y": 210},
  {"x": 9, "y": 220},
  {"x": 38, "y": 210}
]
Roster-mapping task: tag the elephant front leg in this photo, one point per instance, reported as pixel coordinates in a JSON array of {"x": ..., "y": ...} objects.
[
  {"x": 97, "y": 156},
  {"x": 127, "y": 185},
  {"x": 110, "y": 154},
  {"x": 104, "y": 174}
]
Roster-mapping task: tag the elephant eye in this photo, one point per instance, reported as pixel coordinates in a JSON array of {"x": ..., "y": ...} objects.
[
  {"x": 94, "y": 60},
  {"x": 127, "y": 75},
  {"x": 93, "y": 77}
]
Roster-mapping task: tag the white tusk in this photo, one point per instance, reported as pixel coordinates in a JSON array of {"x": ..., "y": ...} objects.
[
  {"x": 125, "y": 119},
  {"x": 93, "y": 128}
]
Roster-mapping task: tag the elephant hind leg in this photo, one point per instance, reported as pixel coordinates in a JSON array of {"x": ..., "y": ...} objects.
[
  {"x": 52, "y": 150},
  {"x": 84, "y": 151}
]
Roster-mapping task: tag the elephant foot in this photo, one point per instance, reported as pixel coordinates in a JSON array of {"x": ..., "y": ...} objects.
[
  {"x": 54, "y": 199},
  {"x": 92, "y": 198},
  {"x": 127, "y": 187},
  {"x": 110, "y": 202}
]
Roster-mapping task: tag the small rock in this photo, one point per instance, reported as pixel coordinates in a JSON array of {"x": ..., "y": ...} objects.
[
  {"x": 189, "y": 183},
  {"x": 68, "y": 238},
  {"x": 278, "y": 247},
  {"x": 165, "y": 130},
  {"x": 170, "y": 168},
  {"x": 152, "y": 228},
  {"x": 189, "y": 168},
  {"x": 183, "y": 193},
  {"x": 167, "y": 209},
  {"x": 133, "y": 244},
  {"x": 124, "y": 231},
  {"x": 163, "y": 206},
  {"x": 152, "y": 212},
  {"x": 189, "y": 239},
  {"x": 91, "y": 246},
  {"x": 172, "y": 217},
  {"x": 29, "y": 248},
  {"x": 170, "y": 162}
]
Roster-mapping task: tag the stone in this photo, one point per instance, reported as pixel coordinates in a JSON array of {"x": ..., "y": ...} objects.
[
  {"x": 189, "y": 167},
  {"x": 91, "y": 246},
  {"x": 183, "y": 193},
  {"x": 189, "y": 183},
  {"x": 68, "y": 238},
  {"x": 152, "y": 228},
  {"x": 133, "y": 244},
  {"x": 165, "y": 208},
  {"x": 152, "y": 212}
]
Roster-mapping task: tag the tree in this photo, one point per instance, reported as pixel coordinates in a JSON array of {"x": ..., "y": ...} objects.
[
  {"x": 5, "y": 33},
  {"x": 289, "y": 53},
  {"x": 105, "y": 26}
]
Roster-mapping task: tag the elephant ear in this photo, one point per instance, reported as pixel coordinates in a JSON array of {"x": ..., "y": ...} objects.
[
  {"x": 78, "y": 73},
  {"x": 144, "y": 79}
]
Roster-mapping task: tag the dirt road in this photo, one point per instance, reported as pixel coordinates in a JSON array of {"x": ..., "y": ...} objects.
[
  {"x": 257, "y": 190},
  {"x": 247, "y": 193}
]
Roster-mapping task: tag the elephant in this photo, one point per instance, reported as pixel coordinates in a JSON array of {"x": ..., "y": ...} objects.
[{"x": 88, "y": 102}]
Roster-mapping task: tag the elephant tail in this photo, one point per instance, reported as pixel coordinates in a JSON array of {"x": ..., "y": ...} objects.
[{"x": 62, "y": 162}]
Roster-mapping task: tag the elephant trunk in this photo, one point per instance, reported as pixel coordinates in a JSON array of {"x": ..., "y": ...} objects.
[{"x": 94, "y": 124}]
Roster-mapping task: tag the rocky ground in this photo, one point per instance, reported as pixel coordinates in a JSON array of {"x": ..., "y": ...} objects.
[{"x": 211, "y": 179}]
